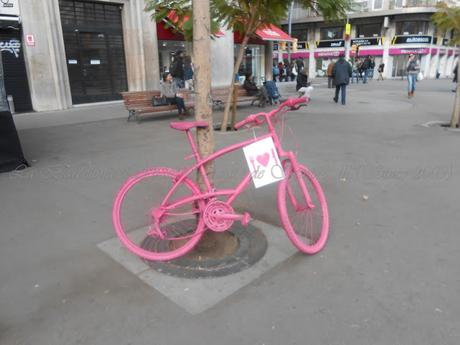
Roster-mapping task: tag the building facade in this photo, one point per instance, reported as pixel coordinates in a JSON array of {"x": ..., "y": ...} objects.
[
  {"x": 61, "y": 53},
  {"x": 386, "y": 30}
]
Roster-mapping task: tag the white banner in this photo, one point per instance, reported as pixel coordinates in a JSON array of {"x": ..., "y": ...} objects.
[{"x": 263, "y": 162}]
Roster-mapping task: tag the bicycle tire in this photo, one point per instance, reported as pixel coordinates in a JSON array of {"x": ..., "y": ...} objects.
[
  {"x": 315, "y": 239},
  {"x": 185, "y": 238}
]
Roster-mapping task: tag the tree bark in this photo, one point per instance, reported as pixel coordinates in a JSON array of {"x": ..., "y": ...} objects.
[
  {"x": 455, "y": 120},
  {"x": 202, "y": 74}
]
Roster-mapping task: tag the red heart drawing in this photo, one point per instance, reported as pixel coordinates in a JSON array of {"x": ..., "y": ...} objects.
[{"x": 263, "y": 159}]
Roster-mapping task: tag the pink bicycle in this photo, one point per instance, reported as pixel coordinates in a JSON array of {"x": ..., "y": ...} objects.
[{"x": 164, "y": 225}]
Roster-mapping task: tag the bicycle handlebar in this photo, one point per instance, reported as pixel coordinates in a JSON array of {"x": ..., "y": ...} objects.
[{"x": 293, "y": 103}]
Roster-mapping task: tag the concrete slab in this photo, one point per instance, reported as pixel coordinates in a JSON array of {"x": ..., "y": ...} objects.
[{"x": 198, "y": 295}]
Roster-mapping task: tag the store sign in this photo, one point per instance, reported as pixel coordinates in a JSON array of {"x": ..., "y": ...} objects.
[
  {"x": 298, "y": 55},
  {"x": 372, "y": 41},
  {"x": 12, "y": 46},
  {"x": 329, "y": 53},
  {"x": 414, "y": 39},
  {"x": 407, "y": 51},
  {"x": 9, "y": 7},
  {"x": 330, "y": 44}
]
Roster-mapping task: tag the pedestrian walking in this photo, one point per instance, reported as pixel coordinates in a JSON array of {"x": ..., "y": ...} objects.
[
  {"x": 294, "y": 71},
  {"x": 342, "y": 72},
  {"x": 381, "y": 69},
  {"x": 412, "y": 68},
  {"x": 177, "y": 69},
  {"x": 169, "y": 90},
  {"x": 281, "y": 69},
  {"x": 188, "y": 73},
  {"x": 366, "y": 65},
  {"x": 372, "y": 68},
  {"x": 275, "y": 72},
  {"x": 287, "y": 71},
  {"x": 300, "y": 65},
  {"x": 455, "y": 78},
  {"x": 330, "y": 76},
  {"x": 356, "y": 71}
]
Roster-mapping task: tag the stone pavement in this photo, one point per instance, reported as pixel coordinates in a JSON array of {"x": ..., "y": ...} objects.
[{"x": 389, "y": 273}]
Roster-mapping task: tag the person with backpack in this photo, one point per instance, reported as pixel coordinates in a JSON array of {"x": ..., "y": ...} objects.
[
  {"x": 412, "y": 68},
  {"x": 342, "y": 72}
]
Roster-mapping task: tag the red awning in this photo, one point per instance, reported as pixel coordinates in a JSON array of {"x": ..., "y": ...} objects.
[
  {"x": 273, "y": 33},
  {"x": 267, "y": 33}
]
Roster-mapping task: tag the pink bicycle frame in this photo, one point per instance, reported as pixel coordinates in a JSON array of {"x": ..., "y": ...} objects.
[{"x": 233, "y": 193}]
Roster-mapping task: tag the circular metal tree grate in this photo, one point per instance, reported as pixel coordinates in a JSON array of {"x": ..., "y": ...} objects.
[{"x": 229, "y": 252}]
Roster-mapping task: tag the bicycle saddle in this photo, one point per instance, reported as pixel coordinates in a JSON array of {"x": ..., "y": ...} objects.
[{"x": 185, "y": 126}]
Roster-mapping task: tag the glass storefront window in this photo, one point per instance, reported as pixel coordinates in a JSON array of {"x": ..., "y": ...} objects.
[
  {"x": 332, "y": 33},
  {"x": 253, "y": 62}
]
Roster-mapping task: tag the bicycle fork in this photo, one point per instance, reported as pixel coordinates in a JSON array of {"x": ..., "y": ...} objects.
[{"x": 298, "y": 204}]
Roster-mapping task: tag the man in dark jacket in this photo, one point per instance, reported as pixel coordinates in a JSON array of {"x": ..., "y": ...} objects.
[
  {"x": 177, "y": 69},
  {"x": 342, "y": 73}
]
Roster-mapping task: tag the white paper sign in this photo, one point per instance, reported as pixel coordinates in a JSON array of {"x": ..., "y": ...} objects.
[
  {"x": 263, "y": 162},
  {"x": 95, "y": 62},
  {"x": 73, "y": 62}
]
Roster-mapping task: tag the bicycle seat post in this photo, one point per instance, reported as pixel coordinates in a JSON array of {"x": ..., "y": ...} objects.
[{"x": 197, "y": 156}]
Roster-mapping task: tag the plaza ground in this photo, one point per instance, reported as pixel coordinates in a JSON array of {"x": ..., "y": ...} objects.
[{"x": 389, "y": 274}]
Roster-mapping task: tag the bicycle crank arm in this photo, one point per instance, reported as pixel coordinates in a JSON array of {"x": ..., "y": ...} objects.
[{"x": 244, "y": 218}]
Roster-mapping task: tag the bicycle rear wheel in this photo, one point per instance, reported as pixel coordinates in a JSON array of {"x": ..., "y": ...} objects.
[
  {"x": 306, "y": 227},
  {"x": 177, "y": 231}
]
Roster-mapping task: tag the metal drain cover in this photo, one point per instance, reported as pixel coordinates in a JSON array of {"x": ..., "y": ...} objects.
[{"x": 240, "y": 248}]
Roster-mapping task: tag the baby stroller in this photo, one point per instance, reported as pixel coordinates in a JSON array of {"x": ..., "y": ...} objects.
[{"x": 272, "y": 91}]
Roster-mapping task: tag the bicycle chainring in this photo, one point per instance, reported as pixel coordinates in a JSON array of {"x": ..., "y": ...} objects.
[{"x": 211, "y": 216}]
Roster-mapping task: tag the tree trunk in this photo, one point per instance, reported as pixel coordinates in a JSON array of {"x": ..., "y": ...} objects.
[
  {"x": 202, "y": 61},
  {"x": 228, "y": 103},
  {"x": 455, "y": 121}
]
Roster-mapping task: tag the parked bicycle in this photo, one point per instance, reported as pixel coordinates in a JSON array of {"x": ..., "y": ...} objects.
[{"x": 161, "y": 226}]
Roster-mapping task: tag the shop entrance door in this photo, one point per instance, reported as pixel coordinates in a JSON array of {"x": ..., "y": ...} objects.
[{"x": 93, "y": 41}]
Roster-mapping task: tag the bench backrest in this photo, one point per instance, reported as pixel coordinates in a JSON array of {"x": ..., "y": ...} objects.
[{"x": 142, "y": 99}]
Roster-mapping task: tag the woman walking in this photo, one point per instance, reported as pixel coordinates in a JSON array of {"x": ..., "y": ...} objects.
[
  {"x": 168, "y": 89},
  {"x": 412, "y": 68}
]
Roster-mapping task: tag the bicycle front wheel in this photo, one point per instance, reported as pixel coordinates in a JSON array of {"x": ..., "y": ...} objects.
[
  {"x": 307, "y": 226},
  {"x": 136, "y": 212}
]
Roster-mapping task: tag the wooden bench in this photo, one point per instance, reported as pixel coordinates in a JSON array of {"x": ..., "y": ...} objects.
[
  {"x": 139, "y": 103},
  {"x": 220, "y": 94}
]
